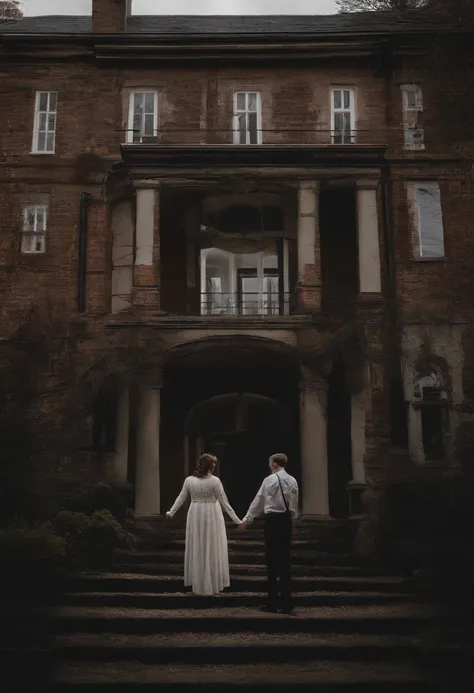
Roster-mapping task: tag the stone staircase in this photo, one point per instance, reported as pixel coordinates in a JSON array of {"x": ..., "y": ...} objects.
[{"x": 138, "y": 627}]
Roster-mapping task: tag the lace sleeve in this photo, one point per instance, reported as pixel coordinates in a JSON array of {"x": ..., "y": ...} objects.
[
  {"x": 222, "y": 498},
  {"x": 180, "y": 499}
]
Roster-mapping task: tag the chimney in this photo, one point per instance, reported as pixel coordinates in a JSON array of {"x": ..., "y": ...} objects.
[
  {"x": 110, "y": 16},
  {"x": 10, "y": 11}
]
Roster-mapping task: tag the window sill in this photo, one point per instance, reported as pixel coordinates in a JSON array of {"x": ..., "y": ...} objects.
[
  {"x": 42, "y": 153},
  {"x": 430, "y": 259}
]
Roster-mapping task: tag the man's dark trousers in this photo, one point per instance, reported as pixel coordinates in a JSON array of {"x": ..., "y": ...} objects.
[{"x": 278, "y": 529}]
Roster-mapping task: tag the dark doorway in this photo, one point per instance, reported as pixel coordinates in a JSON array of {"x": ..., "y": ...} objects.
[
  {"x": 242, "y": 430},
  {"x": 339, "y": 442},
  {"x": 243, "y": 464}
]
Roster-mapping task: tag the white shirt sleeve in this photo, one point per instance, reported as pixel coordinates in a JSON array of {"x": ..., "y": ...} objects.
[
  {"x": 180, "y": 499},
  {"x": 222, "y": 498},
  {"x": 293, "y": 501},
  {"x": 257, "y": 506}
]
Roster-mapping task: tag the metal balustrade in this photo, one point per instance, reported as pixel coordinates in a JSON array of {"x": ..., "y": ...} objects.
[{"x": 257, "y": 304}]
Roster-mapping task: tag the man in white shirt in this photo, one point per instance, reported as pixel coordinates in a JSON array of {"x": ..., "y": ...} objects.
[{"x": 278, "y": 500}]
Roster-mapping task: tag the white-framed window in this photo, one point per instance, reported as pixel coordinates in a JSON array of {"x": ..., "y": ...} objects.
[
  {"x": 412, "y": 99},
  {"x": 343, "y": 115},
  {"x": 428, "y": 220},
  {"x": 247, "y": 117},
  {"x": 44, "y": 128},
  {"x": 33, "y": 229},
  {"x": 142, "y": 116}
]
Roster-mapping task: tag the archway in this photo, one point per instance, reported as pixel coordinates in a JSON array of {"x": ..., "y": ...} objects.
[
  {"x": 236, "y": 397},
  {"x": 242, "y": 429}
]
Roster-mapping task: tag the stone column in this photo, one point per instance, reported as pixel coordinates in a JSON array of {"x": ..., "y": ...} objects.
[
  {"x": 358, "y": 444},
  {"x": 309, "y": 255},
  {"x": 370, "y": 279},
  {"x": 415, "y": 434},
  {"x": 146, "y": 270},
  {"x": 147, "y": 480},
  {"x": 314, "y": 461},
  {"x": 122, "y": 438}
]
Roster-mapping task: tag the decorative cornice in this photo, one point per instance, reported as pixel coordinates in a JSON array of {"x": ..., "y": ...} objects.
[{"x": 270, "y": 156}]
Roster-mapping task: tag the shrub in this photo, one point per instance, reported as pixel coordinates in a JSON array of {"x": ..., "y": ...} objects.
[
  {"x": 91, "y": 540},
  {"x": 32, "y": 554},
  {"x": 104, "y": 535},
  {"x": 71, "y": 527},
  {"x": 98, "y": 498}
]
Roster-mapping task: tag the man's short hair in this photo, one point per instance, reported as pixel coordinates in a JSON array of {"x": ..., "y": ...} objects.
[{"x": 280, "y": 459}]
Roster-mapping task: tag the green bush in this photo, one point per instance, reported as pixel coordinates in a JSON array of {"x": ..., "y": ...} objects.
[
  {"x": 71, "y": 527},
  {"x": 91, "y": 540},
  {"x": 33, "y": 554},
  {"x": 98, "y": 498},
  {"x": 104, "y": 535}
]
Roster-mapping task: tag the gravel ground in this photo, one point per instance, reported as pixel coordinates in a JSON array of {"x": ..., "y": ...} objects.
[
  {"x": 318, "y": 672},
  {"x": 342, "y": 612},
  {"x": 232, "y": 640}
]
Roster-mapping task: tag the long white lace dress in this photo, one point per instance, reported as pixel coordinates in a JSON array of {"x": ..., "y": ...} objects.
[{"x": 206, "y": 557}]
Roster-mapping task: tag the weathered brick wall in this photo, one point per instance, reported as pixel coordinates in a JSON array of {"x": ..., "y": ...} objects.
[{"x": 195, "y": 106}]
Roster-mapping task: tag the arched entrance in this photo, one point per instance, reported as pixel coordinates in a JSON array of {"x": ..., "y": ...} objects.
[{"x": 243, "y": 429}]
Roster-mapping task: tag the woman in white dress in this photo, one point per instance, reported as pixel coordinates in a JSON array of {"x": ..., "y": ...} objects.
[{"x": 206, "y": 557}]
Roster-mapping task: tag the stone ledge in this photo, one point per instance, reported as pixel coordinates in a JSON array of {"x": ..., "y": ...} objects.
[{"x": 216, "y": 322}]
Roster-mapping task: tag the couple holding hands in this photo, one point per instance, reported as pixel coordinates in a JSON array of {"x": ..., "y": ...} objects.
[{"x": 206, "y": 560}]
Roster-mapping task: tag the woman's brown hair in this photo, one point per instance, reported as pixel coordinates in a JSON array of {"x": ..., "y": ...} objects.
[{"x": 204, "y": 465}]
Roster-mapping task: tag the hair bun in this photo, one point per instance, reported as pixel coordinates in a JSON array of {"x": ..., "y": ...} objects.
[{"x": 205, "y": 464}]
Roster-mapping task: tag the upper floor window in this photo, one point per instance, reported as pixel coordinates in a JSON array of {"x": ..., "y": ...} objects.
[
  {"x": 343, "y": 116},
  {"x": 247, "y": 117},
  {"x": 142, "y": 116},
  {"x": 33, "y": 230},
  {"x": 428, "y": 220},
  {"x": 44, "y": 130},
  {"x": 414, "y": 135}
]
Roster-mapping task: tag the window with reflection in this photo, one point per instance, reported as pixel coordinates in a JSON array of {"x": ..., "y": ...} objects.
[{"x": 244, "y": 261}]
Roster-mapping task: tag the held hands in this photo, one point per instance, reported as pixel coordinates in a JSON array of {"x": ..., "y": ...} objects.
[
  {"x": 242, "y": 527},
  {"x": 168, "y": 516}
]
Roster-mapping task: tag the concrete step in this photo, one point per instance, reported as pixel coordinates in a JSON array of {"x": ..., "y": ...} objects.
[
  {"x": 393, "y": 619},
  {"x": 257, "y": 546},
  {"x": 130, "y": 582},
  {"x": 315, "y": 676},
  {"x": 310, "y": 558},
  {"x": 236, "y": 569},
  {"x": 176, "y": 600},
  {"x": 237, "y": 648}
]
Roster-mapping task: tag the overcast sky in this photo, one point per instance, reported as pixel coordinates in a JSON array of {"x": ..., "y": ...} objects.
[{"x": 35, "y": 7}]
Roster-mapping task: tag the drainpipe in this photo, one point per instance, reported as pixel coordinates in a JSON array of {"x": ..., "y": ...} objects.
[{"x": 82, "y": 252}]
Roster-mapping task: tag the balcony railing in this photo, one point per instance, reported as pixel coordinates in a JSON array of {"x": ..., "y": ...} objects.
[
  {"x": 246, "y": 304},
  {"x": 289, "y": 136}
]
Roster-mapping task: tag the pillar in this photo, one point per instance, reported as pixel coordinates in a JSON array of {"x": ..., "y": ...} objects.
[
  {"x": 147, "y": 480},
  {"x": 314, "y": 461},
  {"x": 358, "y": 446},
  {"x": 370, "y": 279},
  {"x": 309, "y": 255},
  {"x": 146, "y": 270},
  {"x": 415, "y": 434},
  {"x": 358, "y": 437},
  {"x": 122, "y": 438}
]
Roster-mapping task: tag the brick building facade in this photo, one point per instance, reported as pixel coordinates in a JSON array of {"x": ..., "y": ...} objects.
[{"x": 260, "y": 204}]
